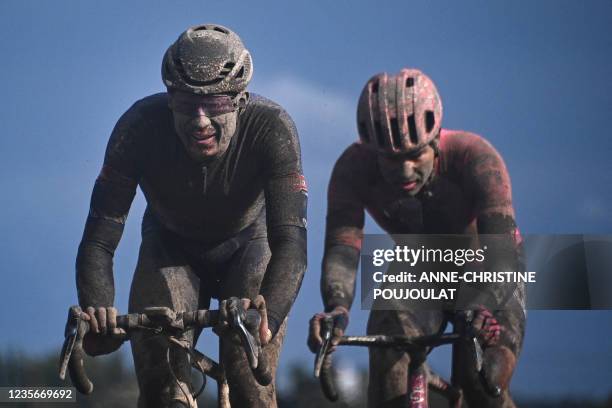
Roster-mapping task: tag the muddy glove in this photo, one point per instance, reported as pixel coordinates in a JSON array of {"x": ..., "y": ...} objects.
[
  {"x": 104, "y": 336},
  {"x": 489, "y": 329},
  {"x": 222, "y": 328},
  {"x": 340, "y": 316}
]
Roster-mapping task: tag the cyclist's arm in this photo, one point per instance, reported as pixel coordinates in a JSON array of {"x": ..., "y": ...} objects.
[
  {"x": 343, "y": 235},
  {"x": 492, "y": 192},
  {"x": 286, "y": 199},
  {"x": 111, "y": 198}
]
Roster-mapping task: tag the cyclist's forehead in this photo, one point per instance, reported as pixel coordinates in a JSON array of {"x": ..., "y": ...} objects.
[{"x": 404, "y": 156}]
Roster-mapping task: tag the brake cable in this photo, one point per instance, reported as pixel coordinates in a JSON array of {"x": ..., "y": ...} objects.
[{"x": 186, "y": 346}]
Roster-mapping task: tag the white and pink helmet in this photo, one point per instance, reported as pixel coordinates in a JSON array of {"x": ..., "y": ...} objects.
[{"x": 399, "y": 113}]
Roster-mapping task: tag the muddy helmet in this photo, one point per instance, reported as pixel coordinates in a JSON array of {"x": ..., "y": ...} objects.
[
  {"x": 207, "y": 59},
  {"x": 399, "y": 113}
]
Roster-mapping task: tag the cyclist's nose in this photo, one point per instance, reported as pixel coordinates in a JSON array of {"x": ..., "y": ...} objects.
[
  {"x": 408, "y": 168},
  {"x": 201, "y": 120}
]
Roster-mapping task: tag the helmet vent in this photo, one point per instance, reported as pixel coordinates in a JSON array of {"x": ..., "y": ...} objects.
[
  {"x": 211, "y": 28},
  {"x": 379, "y": 133},
  {"x": 194, "y": 82},
  {"x": 240, "y": 73},
  {"x": 227, "y": 68},
  {"x": 430, "y": 121},
  {"x": 414, "y": 138},
  {"x": 395, "y": 133},
  {"x": 409, "y": 82},
  {"x": 363, "y": 131},
  {"x": 375, "y": 87}
]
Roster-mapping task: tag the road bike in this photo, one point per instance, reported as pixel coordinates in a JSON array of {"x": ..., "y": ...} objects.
[
  {"x": 171, "y": 325},
  {"x": 421, "y": 377}
]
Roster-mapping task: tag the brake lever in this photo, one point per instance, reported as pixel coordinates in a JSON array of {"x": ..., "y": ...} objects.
[
  {"x": 70, "y": 337},
  {"x": 326, "y": 334},
  {"x": 237, "y": 314},
  {"x": 492, "y": 389},
  {"x": 477, "y": 353},
  {"x": 71, "y": 358},
  {"x": 467, "y": 317}
]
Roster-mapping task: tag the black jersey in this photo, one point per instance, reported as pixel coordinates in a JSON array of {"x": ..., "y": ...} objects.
[
  {"x": 203, "y": 202},
  {"x": 209, "y": 202}
]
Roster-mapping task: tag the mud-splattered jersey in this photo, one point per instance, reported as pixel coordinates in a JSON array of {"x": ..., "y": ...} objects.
[
  {"x": 469, "y": 193},
  {"x": 470, "y": 181},
  {"x": 210, "y": 202}
]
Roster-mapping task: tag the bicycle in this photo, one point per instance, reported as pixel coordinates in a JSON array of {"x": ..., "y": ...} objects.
[
  {"x": 165, "y": 322},
  {"x": 421, "y": 376}
]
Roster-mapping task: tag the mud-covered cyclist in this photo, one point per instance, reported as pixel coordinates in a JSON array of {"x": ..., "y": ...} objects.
[
  {"x": 221, "y": 172},
  {"x": 413, "y": 177}
]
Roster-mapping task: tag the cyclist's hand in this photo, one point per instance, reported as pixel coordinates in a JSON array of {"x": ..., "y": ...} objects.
[
  {"x": 314, "y": 333},
  {"x": 264, "y": 334},
  {"x": 489, "y": 329},
  {"x": 104, "y": 336}
]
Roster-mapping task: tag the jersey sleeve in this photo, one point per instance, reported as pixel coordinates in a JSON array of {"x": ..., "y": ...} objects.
[
  {"x": 111, "y": 199},
  {"x": 345, "y": 208},
  {"x": 286, "y": 191},
  {"x": 489, "y": 181},
  {"x": 344, "y": 231},
  {"x": 286, "y": 196},
  {"x": 116, "y": 184}
]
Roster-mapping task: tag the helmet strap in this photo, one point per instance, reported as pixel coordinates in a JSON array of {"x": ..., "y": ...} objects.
[
  {"x": 240, "y": 100},
  {"x": 435, "y": 145}
]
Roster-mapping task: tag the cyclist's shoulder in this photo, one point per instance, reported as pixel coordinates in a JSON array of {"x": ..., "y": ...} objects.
[
  {"x": 265, "y": 114},
  {"x": 461, "y": 149},
  {"x": 356, "y": 156},
  {"x": 356, "y": 167},
  {"x": 473, "y": 162},
  {"x": 145, "y": 120},
  {"x": 462, "y": 141},
  {"x": 151, "y": 109},
  {"x": 262, "y": 104}
]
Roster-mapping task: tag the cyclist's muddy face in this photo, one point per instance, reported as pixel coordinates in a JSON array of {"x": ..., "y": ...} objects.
[
  {"x": 408, "y": 172},
  {"x": 205, "y": 124}
]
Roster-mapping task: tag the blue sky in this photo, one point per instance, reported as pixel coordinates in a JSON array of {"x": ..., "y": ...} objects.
[{"x": 532, "y": 77}]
